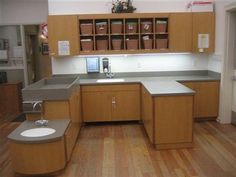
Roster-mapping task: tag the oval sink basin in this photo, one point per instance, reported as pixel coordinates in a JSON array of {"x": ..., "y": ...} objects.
[
  {"x": 110, "y": 80},
  {"x": 38, "y": 132}
]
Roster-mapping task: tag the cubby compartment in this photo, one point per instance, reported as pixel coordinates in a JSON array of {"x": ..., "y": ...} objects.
[
  {"x": 161, "y": 25},
  {"x": 131, "y": 26},
  {"x": 117, "y": 43},
  {"x": 161, "y": 42},
  {"x": 116, "y": 26},
  {"x": 86, "y": 27},
  {"x": 102, "y": 43},
  {"x": 86, "y": 44},
  {"x": 132, "y": 42},
  {"x": 101, "y": 26},
  {"x": 147, "y": 42},
  {"x": 146, "y": 25}
]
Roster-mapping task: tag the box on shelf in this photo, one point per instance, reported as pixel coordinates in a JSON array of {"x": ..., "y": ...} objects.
[
  {"x": 161, "y": 26},
  {"x": 102, "y": 44},
  {"x": 86, "y": 28},
  {"x": 86, "y": 44},
  {"x": 201, "y": 6},
  {"x": 116, "y": 44},
  {"x": 131, "y": 27},
  {"x": 116, "y": 27},
  {"x": 161, "y": 43},
  {"x": 132, "y": 44},
  {"x": 101, "y": 28},
  {"x": 146, "y": 27}
]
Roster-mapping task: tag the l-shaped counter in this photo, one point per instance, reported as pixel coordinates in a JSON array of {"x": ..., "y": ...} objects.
[{"x": 165, "y": 104}]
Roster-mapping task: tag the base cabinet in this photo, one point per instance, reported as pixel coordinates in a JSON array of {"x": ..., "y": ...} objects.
[
  {"x": 168, "y": 120},
  {"x": 206, "y": 101},
  {"x": 111, "y": 103}
]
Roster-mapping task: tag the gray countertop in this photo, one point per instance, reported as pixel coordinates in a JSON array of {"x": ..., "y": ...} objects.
[
  {"x": 59, "y": 125},
  {"x": 157, "y": 86}
]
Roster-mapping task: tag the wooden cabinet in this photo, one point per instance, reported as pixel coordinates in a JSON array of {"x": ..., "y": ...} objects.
[
  {"x": 204, "y": 23},
  {"x": 180, "y": 27},
  {"x": 147, "y": 113},
  {"x": 206, "y": 101},
  {"x": 10, "y": 101},
  {"x": 123, "y": 33},
  {"x": 89, "y": 34},
  {"x": 111, "y": 102},
  {"x": 168, "y": 120},
  {"x": 63, "y": 28}
]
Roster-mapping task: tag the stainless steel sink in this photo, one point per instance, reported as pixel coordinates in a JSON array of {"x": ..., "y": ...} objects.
[
  {"x": 54, "y": 88},
  {"x": 110, "y": 80}
]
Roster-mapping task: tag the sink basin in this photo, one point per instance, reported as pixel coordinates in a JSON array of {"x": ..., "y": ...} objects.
[
  {"x": 54, "y": 88},
  {"x": 38, "y": 132},
  {"x": 110, "y": 80}
]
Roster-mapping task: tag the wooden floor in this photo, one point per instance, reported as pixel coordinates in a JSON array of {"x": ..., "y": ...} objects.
[{"x": 124, "y": 151}]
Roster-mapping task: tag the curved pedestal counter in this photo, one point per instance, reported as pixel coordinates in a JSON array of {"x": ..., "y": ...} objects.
[{"x": 41, "y": 155}]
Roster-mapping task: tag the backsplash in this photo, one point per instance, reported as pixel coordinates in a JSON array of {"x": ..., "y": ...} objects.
[{"x": 134, "y": 63}]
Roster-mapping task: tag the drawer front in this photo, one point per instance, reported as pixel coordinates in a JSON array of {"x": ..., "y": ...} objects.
[{"x": 110, "y": 87}]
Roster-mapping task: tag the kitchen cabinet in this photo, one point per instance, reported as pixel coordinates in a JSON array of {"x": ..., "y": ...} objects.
[
  {"x": 204, "y": 23},
  {"x": 168, "y": 120},
  {"x": 206, "y": 101},
  {"x": 10, "y": 101},
  {"x": 180, "y": 29},
  {"x": 111, "y": 102},
  {"x": 147, "y": 113},
  {"x": 63, "y": 31}
]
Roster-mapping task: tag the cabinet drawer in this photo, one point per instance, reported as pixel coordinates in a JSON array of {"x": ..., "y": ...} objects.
[{"x": 109, "y": 87}]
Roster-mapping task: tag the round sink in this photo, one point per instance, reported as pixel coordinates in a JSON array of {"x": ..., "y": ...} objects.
[{"x": 38, "y": 132}]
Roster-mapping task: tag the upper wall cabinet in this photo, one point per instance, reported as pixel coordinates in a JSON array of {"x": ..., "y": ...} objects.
[
  {"x": 203, "y": 32},
  {"x": 124, "y": 33},
  {"x": 63, "y": 35},
  {"x": 131, "y": 33},
  {"x": 180, "y": 28}
]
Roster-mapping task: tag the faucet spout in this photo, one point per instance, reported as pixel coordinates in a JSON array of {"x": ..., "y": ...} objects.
[{"x": 41, "y": 121}]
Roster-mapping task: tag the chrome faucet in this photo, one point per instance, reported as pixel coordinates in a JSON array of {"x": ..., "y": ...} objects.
[
  {"x": 41, "y": 121},
  {"x": 109, "y": 74}
]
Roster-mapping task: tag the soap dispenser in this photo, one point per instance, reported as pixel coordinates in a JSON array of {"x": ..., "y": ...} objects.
[{"x": 105, "y": 64}]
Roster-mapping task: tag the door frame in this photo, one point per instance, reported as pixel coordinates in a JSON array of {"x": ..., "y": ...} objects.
[{"x": 226, "y": 92}]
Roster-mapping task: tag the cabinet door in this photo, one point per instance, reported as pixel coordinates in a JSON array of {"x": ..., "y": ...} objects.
[
  {"x": 180, "y": 32},
  {"x": 204, "y": 23},
  {"x": 206, "y": 100},
  {"x": 96, "y": 106},
  {"x": 125, "y": 105},
  {"x": 63, "y": 28},
  {"x": 147, "y": 113}
]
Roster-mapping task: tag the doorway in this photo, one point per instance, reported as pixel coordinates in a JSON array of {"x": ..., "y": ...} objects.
[
  {"x": 38, "y": 62},
  {"x": 228, "y": 79}
]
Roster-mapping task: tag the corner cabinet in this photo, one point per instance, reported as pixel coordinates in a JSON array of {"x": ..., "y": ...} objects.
[
  {"x": 130, "y": 33},
  {"x": 63, "y": 35}
]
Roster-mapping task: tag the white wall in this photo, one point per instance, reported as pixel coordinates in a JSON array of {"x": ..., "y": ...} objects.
[
  {"x": 144, "y": 63},
  {"x": 24, "y": 11}
]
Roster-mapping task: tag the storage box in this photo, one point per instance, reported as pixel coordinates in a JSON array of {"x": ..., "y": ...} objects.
[
  {"x": 116, "y": 44},
  {"x": 86, "y": 44},
  {"x": 161, "y": 43},
  {"x": 202, "y": 6},
  {"x": 116, "y": 27},
  {"x": 86, "y": 28},
  {"x": 101, "y": 28},
  {"x": 161, "y": 26},
  {"x": 131, "y": 27},
  {"x": 146, "y": 27},
  {"x": 102, "y": 44},
  {"x": 147, "y": 43},
  {"x": 132, "y": 44}
]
